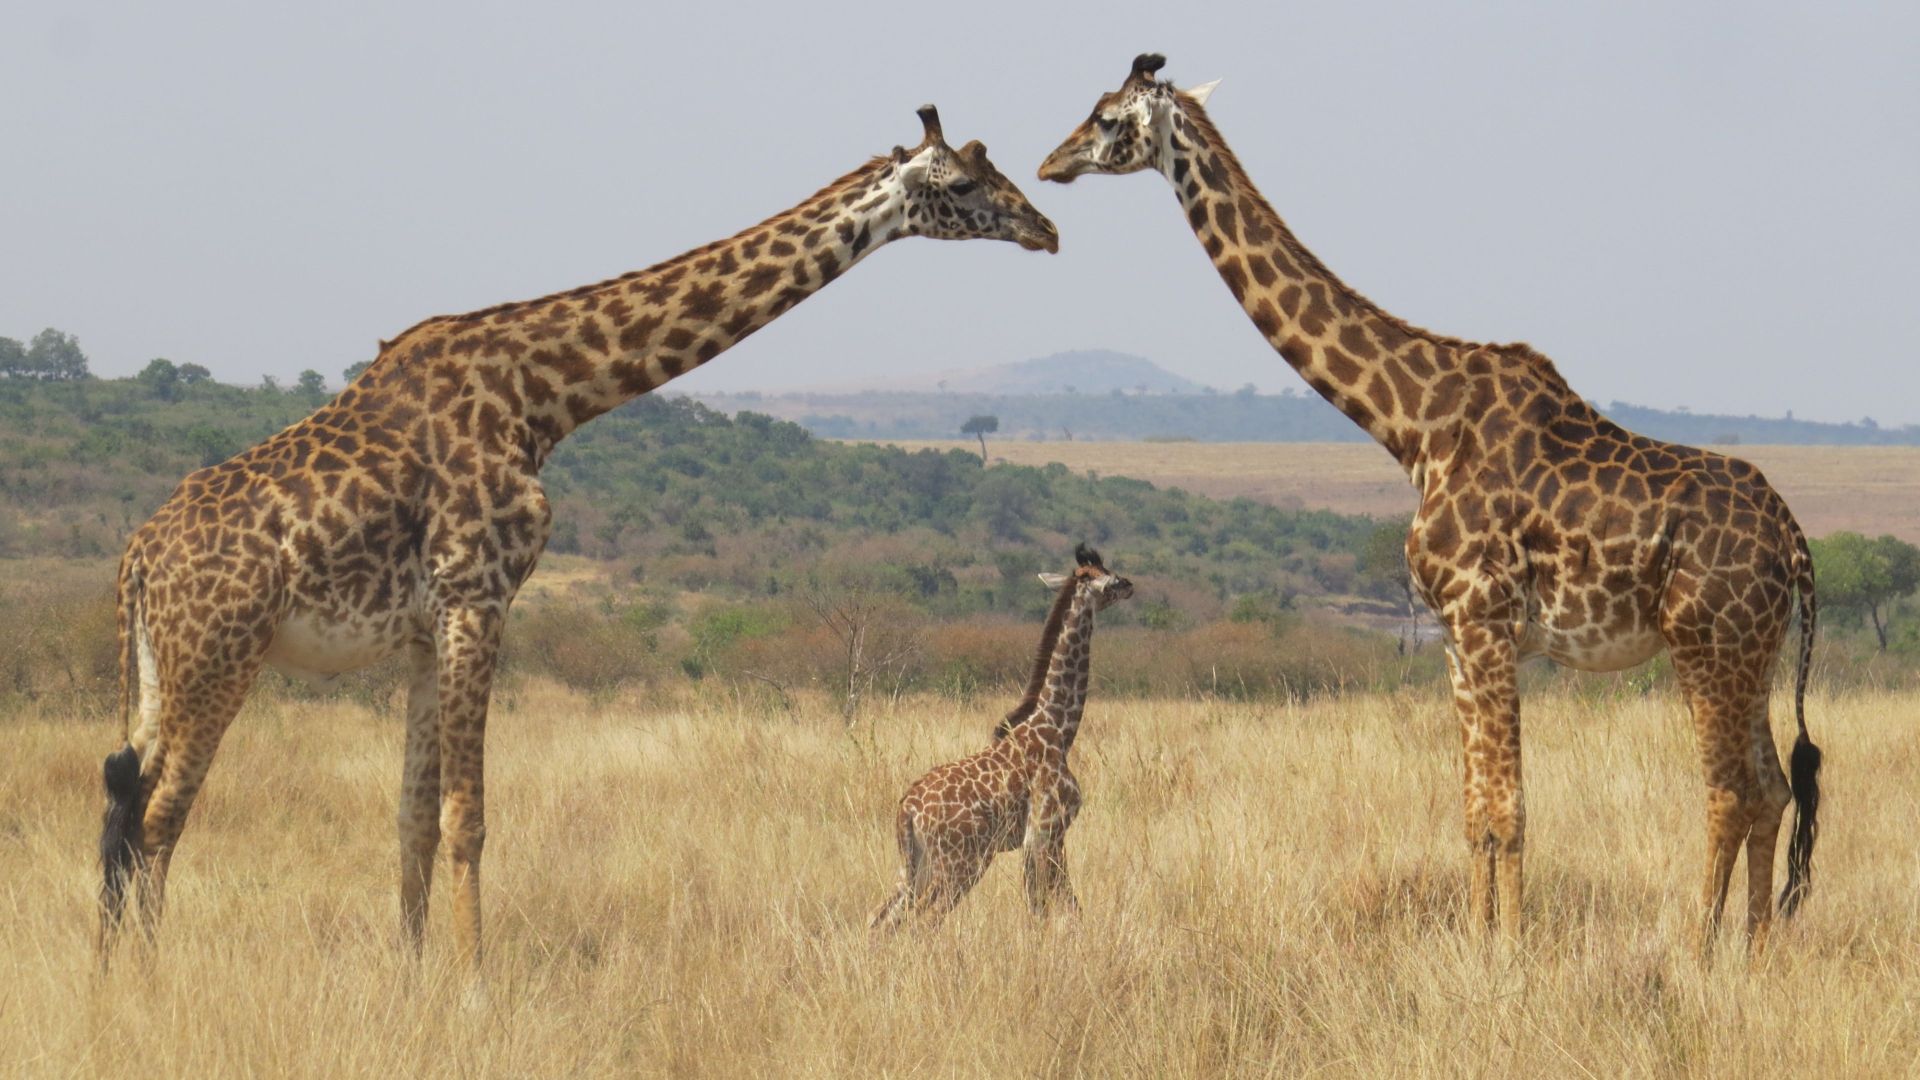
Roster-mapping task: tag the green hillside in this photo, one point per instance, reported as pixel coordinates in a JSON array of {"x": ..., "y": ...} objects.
[{"x": 671, "y": 482}]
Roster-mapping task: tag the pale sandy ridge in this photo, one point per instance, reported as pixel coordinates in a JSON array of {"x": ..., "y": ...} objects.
[{"x": 1867, "y": 489}]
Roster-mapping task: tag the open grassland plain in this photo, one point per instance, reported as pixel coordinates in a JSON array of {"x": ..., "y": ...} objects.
[
  {"x": 679, "y": 887},
  {"x": 1865, "y": 489}
]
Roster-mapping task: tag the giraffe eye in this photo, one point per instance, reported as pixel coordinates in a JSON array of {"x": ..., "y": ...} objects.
[
  {"x": 1106, "y": 123},
  {"x": 962, "y": 187}
]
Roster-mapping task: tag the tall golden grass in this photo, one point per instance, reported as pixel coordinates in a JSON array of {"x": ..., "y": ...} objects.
[{"x": 679, "y": 886}]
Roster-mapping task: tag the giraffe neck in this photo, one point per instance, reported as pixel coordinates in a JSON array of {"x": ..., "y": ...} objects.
[
  {"x": 1371, "y": 366},
  {"x": 565, "y": 359},
  {"x": 1056, "y": 715}
]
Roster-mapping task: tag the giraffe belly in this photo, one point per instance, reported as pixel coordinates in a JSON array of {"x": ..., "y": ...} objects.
[
  {"x": 316, "y": 646},
  {"x": 1591, "y": 649}
]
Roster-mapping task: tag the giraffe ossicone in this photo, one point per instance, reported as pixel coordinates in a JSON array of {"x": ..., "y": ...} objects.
[
  {"x": 404, "y": 515},
  {"x": 1018, "y": 792},
  {"x": 1543, "y": 530}
]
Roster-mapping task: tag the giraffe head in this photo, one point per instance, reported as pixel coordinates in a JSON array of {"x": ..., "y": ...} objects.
[
  {"x": 1129, "y": 129},
  {"x": 958, "y": 194},
  {"x": 1092, "y": 579}
]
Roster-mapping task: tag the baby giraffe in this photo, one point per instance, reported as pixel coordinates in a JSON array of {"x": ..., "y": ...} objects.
[{"x": 1017, "y": 792}]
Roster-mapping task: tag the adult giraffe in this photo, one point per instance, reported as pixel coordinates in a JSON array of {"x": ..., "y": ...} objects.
[
  {"x": 406, "y": 513},
  {"x": 1543, "y": 528}
]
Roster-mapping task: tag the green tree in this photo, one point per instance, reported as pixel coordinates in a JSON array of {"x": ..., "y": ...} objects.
[
  {"x": 312, "y": 384},
  {"x": 980, "y": 427},
  {"x": 1860, "y": 578},
  {"x": 210, "y": 444},
  {"x": 194, "y": 374},
  {"x": 354, "y": 371},
  {"x": 13, "y": 358},
  {"x": 162, "y": 378},
  {"x": 1004, "y": 502},
  {"x": 56, "y": 357},
  {"x": 1383, "y": 572}
]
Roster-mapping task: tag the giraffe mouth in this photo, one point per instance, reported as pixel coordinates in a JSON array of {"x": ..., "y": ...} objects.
[
  {"x": 1058, "y": 171},
  {"x": 1059, "y": 168},
  {"x": 1041, "y": 236}
]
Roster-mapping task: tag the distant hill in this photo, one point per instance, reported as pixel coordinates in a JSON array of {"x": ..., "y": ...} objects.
[
  {"x": 1081, "y": 371},
  {"x": 1239, "y": 417},
  {"x": 1121, "y": 411}
]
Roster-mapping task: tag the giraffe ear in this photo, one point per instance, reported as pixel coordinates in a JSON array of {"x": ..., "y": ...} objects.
[
  {"x": 913, "y": 174},
  {"x": 1053, "y": 581},
  {"x": 1201, "y": 93}
]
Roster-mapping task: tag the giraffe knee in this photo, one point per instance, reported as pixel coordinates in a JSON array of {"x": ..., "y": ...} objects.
[
  {"x": 464, "y": 845},
  {"x": 1506, "y": 823},
  {"x": 166, "y": 818},
  {"x": 419, "y": 831},
  {"x": 1768, "y": 801}
]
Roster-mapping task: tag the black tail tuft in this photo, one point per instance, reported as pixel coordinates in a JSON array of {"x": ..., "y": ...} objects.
[
  {"x": 1804, "y": 774},
  {"x": 119, "y": 833}
]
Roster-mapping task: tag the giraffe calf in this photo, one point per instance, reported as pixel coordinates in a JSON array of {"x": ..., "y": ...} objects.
[{"x": 1018, "y": 792}]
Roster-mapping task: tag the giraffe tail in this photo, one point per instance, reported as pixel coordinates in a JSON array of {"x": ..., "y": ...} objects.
[
  {"x": 120, "y": 839},
  {"x": 1803, "y": 767}
]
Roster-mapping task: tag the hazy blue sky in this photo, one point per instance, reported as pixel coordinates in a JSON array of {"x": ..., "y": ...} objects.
[{"x": 1715, "y": 206}]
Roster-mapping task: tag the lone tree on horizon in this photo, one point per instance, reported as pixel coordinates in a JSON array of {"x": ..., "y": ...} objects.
[
  {"x": 979, "y": 427},
  {"x": 1861, "y": 577}
]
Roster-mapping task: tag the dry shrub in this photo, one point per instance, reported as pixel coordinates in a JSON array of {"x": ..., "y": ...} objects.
[
  {"x": 580, "y": 647},
  {"x": 58, "y": 638},
  {"x": 1240, "y": 660},
  {"x": 981, "y": 655},
  {"x": 816, "y": 648}
]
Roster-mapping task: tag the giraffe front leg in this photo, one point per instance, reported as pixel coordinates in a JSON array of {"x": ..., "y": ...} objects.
[
  {"x": 419, "y": 816},
  {"x": 1482, "y": 666},
  {"x": 1047, "y": 881},
  {"x": 1046, "y": 848},
  {"x": 468, "y": 644}
]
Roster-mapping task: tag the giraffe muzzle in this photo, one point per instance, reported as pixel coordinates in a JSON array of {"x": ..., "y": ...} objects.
[
  {"x": 1060, "y": 167},
  {"x": 1038, "y": 235}
]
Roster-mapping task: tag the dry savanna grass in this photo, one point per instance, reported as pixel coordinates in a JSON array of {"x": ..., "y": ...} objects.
[
  {"x": 1867, "y": 489},
  {"x": 681, "y": 888}
]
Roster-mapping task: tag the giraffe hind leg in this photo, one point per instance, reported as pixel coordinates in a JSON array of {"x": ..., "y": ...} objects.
[
  {"x": 1729, "y": 709},
  {"x": 419, "y": 816},
  {"x": 467, "y": 645},
  {"x": 193, "y": 719},
  {"x": 1767, "y": 810}
]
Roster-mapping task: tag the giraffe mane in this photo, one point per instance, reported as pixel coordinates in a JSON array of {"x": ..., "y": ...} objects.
[
  {"x": 1049, "y": 639},
  {"x": 852, "y": 179},
  {"x": 1196, "y": 114}
]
